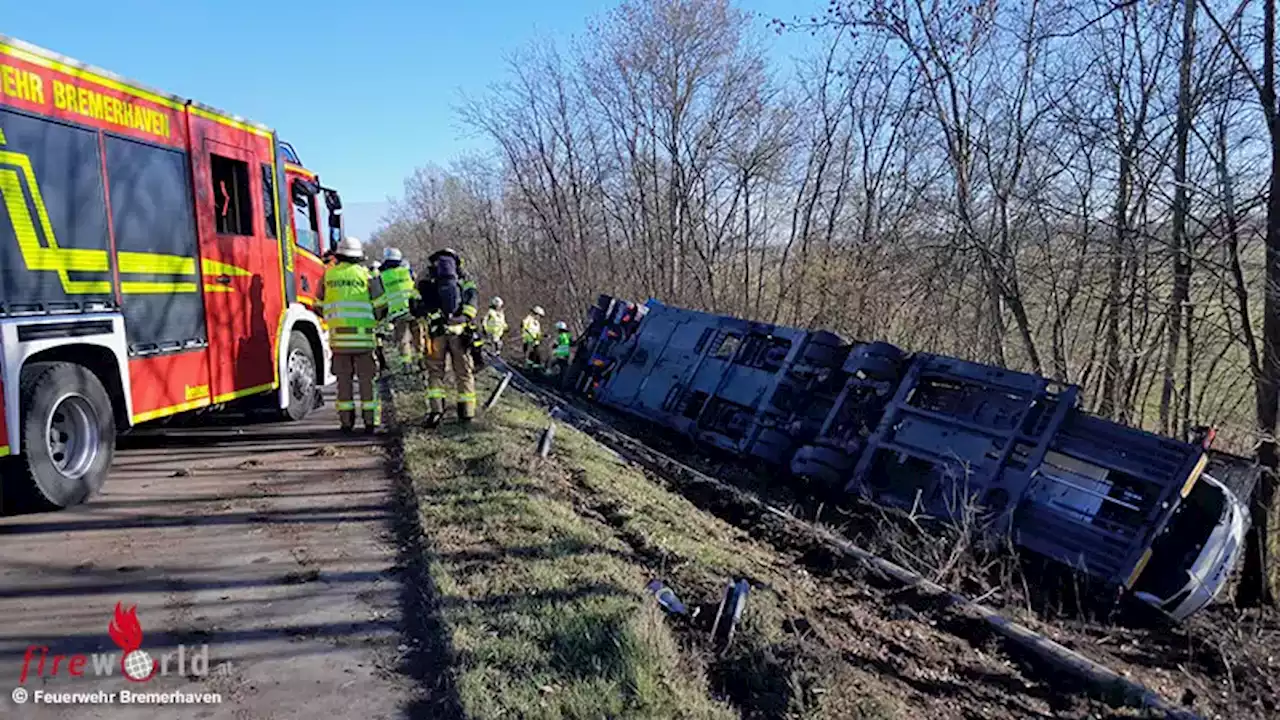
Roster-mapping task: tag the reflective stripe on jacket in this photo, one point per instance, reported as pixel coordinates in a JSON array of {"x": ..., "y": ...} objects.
[
  {"x": 530, "y": 330},
  {"x": 348, "y": 308},
  {"x": 397, "y": 283},
  {"x": 495, "y": 323}
]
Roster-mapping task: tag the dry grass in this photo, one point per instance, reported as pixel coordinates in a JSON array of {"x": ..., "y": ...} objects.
[{"x": 545, "y": 606}]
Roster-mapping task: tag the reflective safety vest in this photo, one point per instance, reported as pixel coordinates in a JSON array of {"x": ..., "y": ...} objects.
[
  {"x": 530, "y": 330},
  {"x": 397, "y": 284},
  {"x": 348, "y": 309},
  {"x": 495, "y": 323},
  {"x": 564, "y": 344}
]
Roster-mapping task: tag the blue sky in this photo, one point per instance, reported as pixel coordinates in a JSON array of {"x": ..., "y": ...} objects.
[{"x": 365, "y": 91}]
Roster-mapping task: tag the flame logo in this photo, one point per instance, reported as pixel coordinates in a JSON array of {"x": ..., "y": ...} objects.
[
  {"x": 125, "y": 629},
  {"x": 126, "y": 632}
]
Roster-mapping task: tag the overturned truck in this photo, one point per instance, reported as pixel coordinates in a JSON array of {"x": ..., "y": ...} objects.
[{"x": 1155, "y": 516}]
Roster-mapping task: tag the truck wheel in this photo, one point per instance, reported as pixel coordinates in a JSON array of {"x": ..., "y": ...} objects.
[
  {"x": 68, "y": 433},
  {"x": 829, "y": 468},
  {"x": 874, "y": 368},
  {"x": 300, "y": 369},
  {"x": 883, "y": 349}
]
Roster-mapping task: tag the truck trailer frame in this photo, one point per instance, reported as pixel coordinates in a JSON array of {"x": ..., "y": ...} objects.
[{"x": 933, "y": 435}]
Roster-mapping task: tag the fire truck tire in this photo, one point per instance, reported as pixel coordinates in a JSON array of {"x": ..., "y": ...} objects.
[
  {"x": 68, "y": 433},
  {"x": 300, "y": 365}
]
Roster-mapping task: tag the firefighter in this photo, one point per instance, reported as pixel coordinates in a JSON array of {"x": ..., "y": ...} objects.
[
  {"x": 495, "y": 324},
  {"x": 563, "y": 348},
  {"x": 399, "y": 293},
  {"x": 380, "y": 332},
  {"x": 449, "y": 307},
  {"x": 531, "y": 333},
  {"x": 351, "y": 301}
]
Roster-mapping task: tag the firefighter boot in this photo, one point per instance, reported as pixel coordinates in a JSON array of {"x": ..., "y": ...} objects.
[
  {"x": 435, "y": 407},
  {"x": 372, "y": 415}
]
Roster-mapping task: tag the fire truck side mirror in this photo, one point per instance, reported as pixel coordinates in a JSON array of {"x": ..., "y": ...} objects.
[
  {"x": 303, "y": 191},
  {"x": 334, "y": 202}
]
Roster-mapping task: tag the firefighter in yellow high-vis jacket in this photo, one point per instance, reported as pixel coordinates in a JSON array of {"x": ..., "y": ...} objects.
[{"x": 351, "y": 302}]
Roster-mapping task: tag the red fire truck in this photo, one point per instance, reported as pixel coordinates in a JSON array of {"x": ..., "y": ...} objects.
[{"x": 157, "y": 257}]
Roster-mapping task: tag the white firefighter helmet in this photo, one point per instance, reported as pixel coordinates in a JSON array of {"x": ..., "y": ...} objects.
[
  {"x": 496, "y": 302},
  {"x": 351, "y": 248},
  {"x": 561, "y": 326},
  {"x": 392, "y": 254},
  {"x": 537, "y": 310}
]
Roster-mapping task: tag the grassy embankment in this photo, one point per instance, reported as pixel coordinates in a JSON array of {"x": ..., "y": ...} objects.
[{"x": 541, "y": 567}]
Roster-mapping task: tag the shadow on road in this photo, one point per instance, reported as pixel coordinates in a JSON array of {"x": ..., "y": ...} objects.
[{"x": 431, "y": 651}]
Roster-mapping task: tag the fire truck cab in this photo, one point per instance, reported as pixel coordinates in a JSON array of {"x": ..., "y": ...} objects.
[{"x": 157, "y": 256}]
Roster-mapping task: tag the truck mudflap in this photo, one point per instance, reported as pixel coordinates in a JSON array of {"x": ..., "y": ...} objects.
[{"x": 5, "y": 450}]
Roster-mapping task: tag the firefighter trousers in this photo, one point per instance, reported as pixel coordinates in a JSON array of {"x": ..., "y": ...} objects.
[
  {"x": 452, "y": 350},
  {"x": 533, "y": 354},
  {"x": 351, "y": 367},
  {"x": 404, "y": 336}
]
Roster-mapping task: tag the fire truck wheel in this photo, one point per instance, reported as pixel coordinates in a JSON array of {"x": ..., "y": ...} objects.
[
  {"x": 300, "y": 365},
  {"x": 68, "y": 433}
]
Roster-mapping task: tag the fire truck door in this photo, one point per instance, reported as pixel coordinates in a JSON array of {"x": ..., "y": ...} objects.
[{"x": 240, "y": 272}]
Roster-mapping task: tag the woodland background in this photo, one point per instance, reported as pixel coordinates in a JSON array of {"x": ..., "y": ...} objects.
[{"x": 1077, "y": 189}]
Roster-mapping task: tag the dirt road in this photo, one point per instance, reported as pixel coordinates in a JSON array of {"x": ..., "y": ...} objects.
[{"x": 272, "y": 544}]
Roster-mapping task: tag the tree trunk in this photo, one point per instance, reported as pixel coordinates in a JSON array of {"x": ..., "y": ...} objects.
[
  {"x": 1260, "y": 583},
  {"x": 1180, "y": 294}
]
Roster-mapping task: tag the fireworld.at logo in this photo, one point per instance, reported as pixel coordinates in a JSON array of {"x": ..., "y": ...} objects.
[
  {"x": 135, "y": 664},
  {"x": 126, "y": 631}
]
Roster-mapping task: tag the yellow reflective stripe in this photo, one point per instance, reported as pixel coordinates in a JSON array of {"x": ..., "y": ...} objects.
[
  {"x": 218, "y": 289},
  {"x": 213, "y": 267},
  {"x": 156, "y": 288},
  {"x": 346, "y": 405},
  {"x": 171, "y": 410},
  {"x": 35, "y": 256},
  {"x": 67, "y": 260},
  {"x": 228, "y": 121},
  {"x": 434, "y": 393},
  {"x": 228, "y": 397},
  {"x": 135, "y": 263},
  {"x": 51, "y": 64},
  {"x": 467, "y": 397},
  {"x": 4, "y": 450}
]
